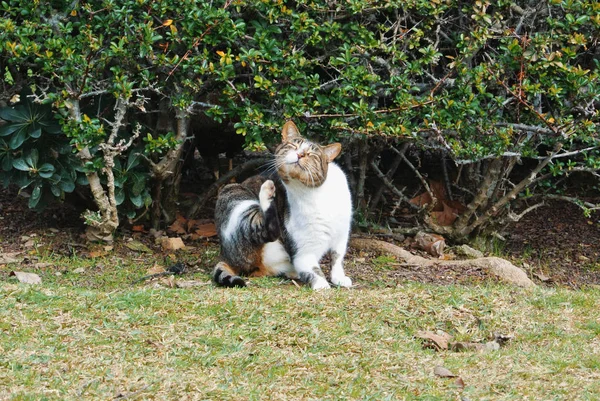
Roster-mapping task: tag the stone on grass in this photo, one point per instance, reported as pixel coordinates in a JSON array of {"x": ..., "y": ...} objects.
[{"x": 172, "y": 244}]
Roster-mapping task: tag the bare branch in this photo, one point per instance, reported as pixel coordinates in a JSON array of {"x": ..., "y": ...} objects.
[
  {"x": 419, "y": 176},
  {"x": 391, "y": 185}
]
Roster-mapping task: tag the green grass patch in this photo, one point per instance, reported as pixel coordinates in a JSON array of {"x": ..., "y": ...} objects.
[{"x": 95, "y": 336}]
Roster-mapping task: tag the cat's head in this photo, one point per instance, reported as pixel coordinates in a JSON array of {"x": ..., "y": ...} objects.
[{"x": 300, "y": 160}]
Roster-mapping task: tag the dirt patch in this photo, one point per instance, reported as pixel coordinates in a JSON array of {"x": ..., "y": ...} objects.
[
  {"x": 559, "y": 243},
  {"x": 555, "y": 244}
]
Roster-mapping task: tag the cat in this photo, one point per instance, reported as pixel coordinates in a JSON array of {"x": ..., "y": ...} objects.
[{"x": 283, "y": 226}]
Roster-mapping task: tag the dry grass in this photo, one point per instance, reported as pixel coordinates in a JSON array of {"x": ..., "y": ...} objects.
[{"x": 62, "y": 342}]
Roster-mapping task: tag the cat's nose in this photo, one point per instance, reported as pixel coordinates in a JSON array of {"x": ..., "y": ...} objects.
[{"x": 301, "y": 154}]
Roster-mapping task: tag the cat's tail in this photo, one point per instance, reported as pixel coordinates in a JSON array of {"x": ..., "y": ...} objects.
[{"x": 224, "y": 276}]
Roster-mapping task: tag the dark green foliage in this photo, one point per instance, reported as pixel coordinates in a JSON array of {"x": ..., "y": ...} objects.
[
  {"x": 35, "y": 155},
  {"x": 475, "y": 81}
]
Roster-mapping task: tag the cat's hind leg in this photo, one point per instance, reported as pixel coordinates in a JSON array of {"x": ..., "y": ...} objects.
[
  {"x": 224, "y": 276},
  {"x": 276, "y": 260}
]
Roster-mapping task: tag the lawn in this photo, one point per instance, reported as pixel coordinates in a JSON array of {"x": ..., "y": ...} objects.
[{"x": 96, "y": 336}]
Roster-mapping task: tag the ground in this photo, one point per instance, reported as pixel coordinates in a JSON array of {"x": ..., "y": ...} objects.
[
  {"x": 556, "y": 244},
  {"x": 93, "y": 330}
]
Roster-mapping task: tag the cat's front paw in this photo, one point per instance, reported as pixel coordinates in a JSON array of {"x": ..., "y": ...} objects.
[
  {"x": 267, "y": 194},
  {"x": 342, "y": 281},
  {"x": 319, "y": 283}
]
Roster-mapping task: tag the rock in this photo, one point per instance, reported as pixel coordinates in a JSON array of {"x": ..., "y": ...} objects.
[
  {"x": 468, "y": 252},
  {"x": 172, "y": 244}
]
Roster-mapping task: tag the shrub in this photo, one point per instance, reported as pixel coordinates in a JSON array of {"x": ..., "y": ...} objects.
[{"x": 480, "y": 86}]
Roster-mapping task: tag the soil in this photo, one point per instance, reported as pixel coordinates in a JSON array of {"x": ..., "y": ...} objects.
[{"x": 556, "y": 244}]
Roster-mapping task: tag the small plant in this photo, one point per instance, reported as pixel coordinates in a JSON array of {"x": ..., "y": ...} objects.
[{"x": 35, "y": 155}]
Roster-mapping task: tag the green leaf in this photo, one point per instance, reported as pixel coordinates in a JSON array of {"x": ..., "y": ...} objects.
[
  {"x": 8, "y": 129},
  {"x": 67, "y": 185},
  {"x": 56, "y": 191},
  {"x": 35, "y": 131},
  {"x": 46, "y": 170},
  {"x": 137, "y": 201},
  {"x": 119, "y": 195},
  {"x": 53, "y": 129},
  {"x": 20, "y": 164},
  {"x": 139, "y": 183},
  {"x": 35, "y": 197},
  {"x": 12, "y": 114},
  {"x": 17, "y": 139},
  {"x": 7, "y": 163},
  {"x": 133, "y": 160},
  {"x": 32, "y": 158},
  {"x": 82, "y": 180}
]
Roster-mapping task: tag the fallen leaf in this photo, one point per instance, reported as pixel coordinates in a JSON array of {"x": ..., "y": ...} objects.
[
  {"x": 443, "y": 372},
  {"x": 438, "y": 341},
  {"x": 459, "y": 382},
  {"x": 168, "y": 281},
  {"x": 138, "y": 247},
  {"x": 542, "y": 277},
  {"x": 138, "y": 228},
  {"x": 6, "y": 258},
  {"x": 433, "y": 244},
  {"x": 79, "y": 270},
  {"x": 156, "y": 269},
  {"x": 445, "y": 217},
  {"x": 421, "y": 200},
  {"x": 206, "y": 230},
  {"x": 179, "y": 225},
  {"x": 97, "y": 253},
  {"x": 27, "y": 278},
  {"x": 191, "y": 283}
]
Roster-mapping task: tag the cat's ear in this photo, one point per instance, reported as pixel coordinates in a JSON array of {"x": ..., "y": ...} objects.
[
  {"x": 332, "y": 151},
  {"x": 290, "y": 131}
]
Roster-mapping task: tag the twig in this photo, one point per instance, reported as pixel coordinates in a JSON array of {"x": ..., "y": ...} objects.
[
  {"x": 389, "y": 175},
  {"x": 582, "y": 204},
  {"x": 419, "y": 176},
  {"x": 391, "y": 185},
  {"x": 382, "y": 111},
  {"x": 516, "y": 217}
]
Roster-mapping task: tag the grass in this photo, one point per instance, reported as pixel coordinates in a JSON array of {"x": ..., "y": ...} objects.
[{"x": 93, "y": 335}]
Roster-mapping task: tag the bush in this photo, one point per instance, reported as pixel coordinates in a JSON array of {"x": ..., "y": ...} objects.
[{"x": 480, "y": 85}]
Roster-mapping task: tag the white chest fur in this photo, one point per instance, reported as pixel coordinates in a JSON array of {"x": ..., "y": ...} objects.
[{"x": 320, "y": 217}]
